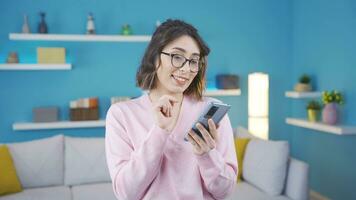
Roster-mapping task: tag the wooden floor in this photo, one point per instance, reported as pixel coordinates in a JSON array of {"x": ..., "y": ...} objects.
[{"x": 316, "y": 196}]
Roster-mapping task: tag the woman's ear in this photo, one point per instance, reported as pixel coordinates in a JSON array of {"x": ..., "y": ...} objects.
[{"x": 157, "y": 62}]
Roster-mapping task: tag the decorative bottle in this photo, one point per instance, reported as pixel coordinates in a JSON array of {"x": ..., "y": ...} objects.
[
  {"x": 42, "y": 26},
  {"x": 25, "y": 26},
  {"x": 90, "y": 24}
]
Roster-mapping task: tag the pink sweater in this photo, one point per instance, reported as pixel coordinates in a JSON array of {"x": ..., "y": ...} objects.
[{"x": 145, "y": 162}]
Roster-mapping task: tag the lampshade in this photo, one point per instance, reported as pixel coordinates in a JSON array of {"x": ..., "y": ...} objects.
[
  {"x": 258, "y": 126},
  {"x": 258, "y": 95},
  {"x": 258, "y": 89}
]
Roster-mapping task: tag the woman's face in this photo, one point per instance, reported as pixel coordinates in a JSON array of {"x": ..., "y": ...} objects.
[{"x": 172, "y": 79}]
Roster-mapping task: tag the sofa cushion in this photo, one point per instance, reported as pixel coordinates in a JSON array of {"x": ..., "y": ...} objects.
[
  {"x": 85, "y": 161},
  {"x": 39, "y": 162},
  {"x": 265, "y": 165},
  {"x": 93, "y": 192},
  {"x": 297, "y": 180},
  {"x": 43, "y": 193},
  {"x": 9, "y": 182},
  {"x": 240, "y": 146},
  {"x": 246, "y": 191}
]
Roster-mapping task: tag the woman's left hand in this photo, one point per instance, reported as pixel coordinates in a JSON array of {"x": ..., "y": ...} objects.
[{"x": 201, "y": 146}]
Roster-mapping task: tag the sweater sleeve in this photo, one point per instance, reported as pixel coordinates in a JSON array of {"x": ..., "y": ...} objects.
[
  {"x": 218, "y": 167},
  {"x": 131, "y": 170}
]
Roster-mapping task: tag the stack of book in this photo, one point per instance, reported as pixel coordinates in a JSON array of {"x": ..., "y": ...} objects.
[
  {"x": 119, "y": 99},
  {"x": 84, "y": 109}
]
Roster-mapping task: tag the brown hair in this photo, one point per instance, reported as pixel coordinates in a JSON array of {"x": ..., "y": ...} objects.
[{"x": 167, "y": 32}]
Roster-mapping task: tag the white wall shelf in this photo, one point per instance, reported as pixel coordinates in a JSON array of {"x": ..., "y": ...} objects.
[
  {"x": 227, "y": 92},
  {"x": 78, "y": 37},
  {"x": 35, "y": 66},
  {"x": 57, "y": 125},
  {"x": 319, "y": 126},
  {"x": 300, "y": 95}
]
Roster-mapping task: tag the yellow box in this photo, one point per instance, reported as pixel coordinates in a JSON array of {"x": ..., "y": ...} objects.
[{"x": 51, "y": 55}]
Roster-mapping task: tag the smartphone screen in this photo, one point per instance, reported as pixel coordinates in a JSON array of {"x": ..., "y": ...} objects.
[{"x": 215, "y": 111}]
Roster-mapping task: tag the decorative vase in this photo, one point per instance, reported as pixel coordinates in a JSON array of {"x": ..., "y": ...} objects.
[
  {"x": 313, "y": 115},
  {"x": 302, "y": 87},
  {"x": 330, "y": 114},
  {"x": 25, "y": 26},
  {"x": 42, "y": 26},
  {"x": 90, "y": 25}
]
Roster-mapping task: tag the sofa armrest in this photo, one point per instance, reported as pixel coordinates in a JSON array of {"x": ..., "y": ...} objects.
[{"x": 297, "y": 187}]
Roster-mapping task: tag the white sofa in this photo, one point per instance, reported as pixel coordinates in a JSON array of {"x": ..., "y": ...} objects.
[
  {"x": 68, "y": 168},
  {"x": 63, "y": 168},
  {"x": 296, "y": 186},
  {"x": 293, "y": 182}
]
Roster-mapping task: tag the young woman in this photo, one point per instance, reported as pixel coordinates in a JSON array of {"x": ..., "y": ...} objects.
[{"x": 146, "y": 153}]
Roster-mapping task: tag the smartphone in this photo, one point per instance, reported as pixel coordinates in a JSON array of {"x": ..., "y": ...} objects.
[{"x": 215, "y": 111}]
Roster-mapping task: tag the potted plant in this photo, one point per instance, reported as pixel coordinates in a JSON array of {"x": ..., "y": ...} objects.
[
  {"x": 331, "y": 99},
  {"x": 304, "y": 84},
  {"x": 313, "y": 108}
]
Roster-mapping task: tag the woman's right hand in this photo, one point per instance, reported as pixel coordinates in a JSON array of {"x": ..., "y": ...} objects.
[{"x": 165, "y": 113}]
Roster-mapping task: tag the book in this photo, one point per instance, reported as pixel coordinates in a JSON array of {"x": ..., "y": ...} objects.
[{"x": 51, "y": 55}]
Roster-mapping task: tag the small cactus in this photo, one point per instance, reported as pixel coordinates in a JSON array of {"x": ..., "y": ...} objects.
[{"x": 304, "y": 79}]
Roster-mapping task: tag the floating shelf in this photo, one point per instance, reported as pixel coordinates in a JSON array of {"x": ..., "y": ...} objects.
[
  {"x": 227, "y": 92},
  {"x": 299, "y": 95},
  {"x": 58, "y": 125},
  {"x": 98, "y": 123},
  {"x": 78, "y": 37},
  {"x": 336, "y": 129},
  {"x": 35, "y": 66}
]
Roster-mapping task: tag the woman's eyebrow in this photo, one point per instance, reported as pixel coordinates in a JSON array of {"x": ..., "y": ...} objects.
[{"x": 183, "y": 50}]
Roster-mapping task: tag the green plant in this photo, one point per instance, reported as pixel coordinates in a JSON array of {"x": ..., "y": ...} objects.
[
  {"x": 314, "y": 105},
  {"x": 304, "y": 79},
  {"x": 332, "y": 97}
]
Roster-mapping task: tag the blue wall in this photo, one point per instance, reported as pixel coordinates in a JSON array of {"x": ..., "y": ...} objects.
[
  {"x": 244, "y": 37},
  {"x": 281, "y": 38},
  {"x": 324, "y": 45}
]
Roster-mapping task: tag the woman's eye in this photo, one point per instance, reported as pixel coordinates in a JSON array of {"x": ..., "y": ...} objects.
[
  {"x": 194, "y": 62},
  {"x": 178, "y": 58}
]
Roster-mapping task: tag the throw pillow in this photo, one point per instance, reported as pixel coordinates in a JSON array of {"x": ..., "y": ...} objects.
[
  {"x": 39, "y": 162},
  {"x": 265, "y": 165},
  {"x": 9, "y": 182},
  {"x": 85, "y": 161},
  {"x": 240, "y": 145}
]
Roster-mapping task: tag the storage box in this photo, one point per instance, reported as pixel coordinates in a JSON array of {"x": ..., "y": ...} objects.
[
  {"x": 75, "y": 114},
  {"x": 83, "y": 114},
  {"x": 227, "y": 81},
  {"x": 84, "y": 109},
  {"x": 51, "y": 55},
  {"x": 45, "y": 114}
]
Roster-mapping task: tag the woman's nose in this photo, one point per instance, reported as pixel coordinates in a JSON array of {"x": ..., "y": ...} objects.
[{"x": 185, "y": 67}]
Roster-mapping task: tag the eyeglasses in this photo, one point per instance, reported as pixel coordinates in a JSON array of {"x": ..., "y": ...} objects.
[{"x": 178, "y": 61}]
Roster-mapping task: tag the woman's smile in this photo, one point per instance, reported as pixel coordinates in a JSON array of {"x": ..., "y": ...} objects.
[{"x": 180, "y": 80}]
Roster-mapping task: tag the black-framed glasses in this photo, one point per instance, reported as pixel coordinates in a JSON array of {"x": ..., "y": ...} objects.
[{"x": 178, "y": 61}]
